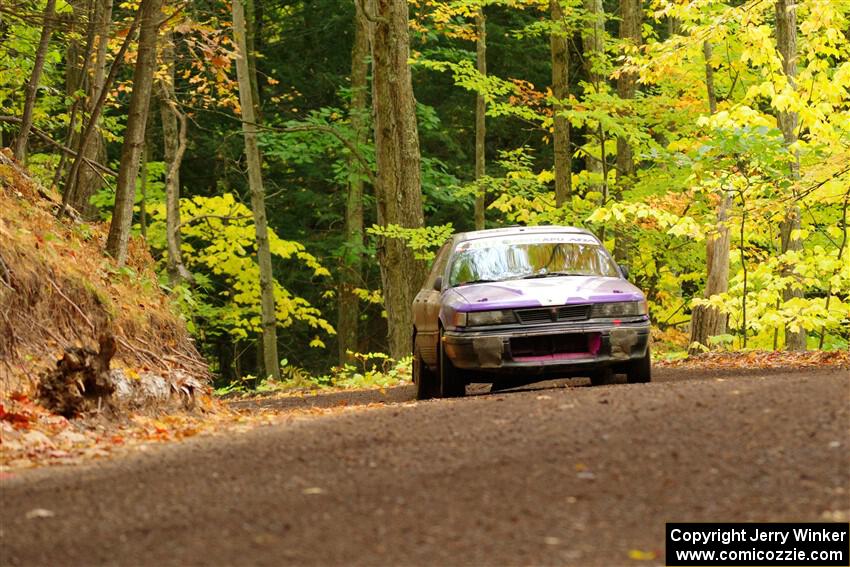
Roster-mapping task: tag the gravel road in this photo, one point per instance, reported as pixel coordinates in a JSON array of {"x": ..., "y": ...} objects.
[{"x": 553, "y": 475}]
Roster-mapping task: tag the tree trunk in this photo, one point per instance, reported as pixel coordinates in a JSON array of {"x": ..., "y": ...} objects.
[
  {"x": 593, "y": 41},
  {"x": 87, "y": 181},
  {"x": 709, "y": 77},
  {"x": 707, "y": 322},
  {"x": 71, "y": 191},
  {"x": 271, "y": 362},
  {"x": 251, "y": 31},
  {"x": 480, "y": 119},
  {"x": 351, "y": 274},
  {"x": 630, "y": 31},
  {"x": 794, "y": 340},
  {"x": 73, "y": 77},
  {"x": 35, "y": 78},
  {"x": 560, "y": 91},
  {"x": 398, "y": 190},
  {"x": 174, "y": 126},
  {"x": 134, "y": 134},
  {"x": 104, "y": 22},
  {"x": 786, "y": 40},
  {"x": 73, "y": 80},
  {"x": 76, "y": 66},
  {"x": 674, "y": 26},
  {"x": 143, "y": 186},
  {"x": 177, "y": 271}
]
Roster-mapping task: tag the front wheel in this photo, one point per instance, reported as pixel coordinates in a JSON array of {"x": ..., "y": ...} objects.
[
  {"x": 451, "y": 383},
  {"x": 639, "y": 371},
  {"x": 426, "y": 380}
]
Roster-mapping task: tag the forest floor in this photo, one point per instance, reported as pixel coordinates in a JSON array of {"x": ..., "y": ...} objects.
[{"x": 554, "y": 473}]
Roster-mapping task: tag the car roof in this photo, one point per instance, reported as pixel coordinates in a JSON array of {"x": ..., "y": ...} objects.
[{"x": 513, "y": 230}]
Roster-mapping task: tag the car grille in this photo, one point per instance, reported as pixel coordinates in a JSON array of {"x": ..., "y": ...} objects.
[
  {"x": 553, "y": 314},
  {"x": 553, "y": 347}
]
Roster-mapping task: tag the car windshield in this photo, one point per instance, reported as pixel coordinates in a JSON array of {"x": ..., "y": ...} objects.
[{"x": 529, "y": 256}]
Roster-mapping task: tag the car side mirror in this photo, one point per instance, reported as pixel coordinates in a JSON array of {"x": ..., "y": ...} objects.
[
  {"x": 625, "y": 270},
  {"x": 438, "y": 283}
]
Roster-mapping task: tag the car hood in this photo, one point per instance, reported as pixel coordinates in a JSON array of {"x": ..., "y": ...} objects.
[{"x": 543, "y": 292}]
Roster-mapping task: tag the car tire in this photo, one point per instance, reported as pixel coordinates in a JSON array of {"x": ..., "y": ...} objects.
[
  {"x": 426, "y": 380},
  {"x": 639, "y": 371},
  {"x": 451, "y": 382},
  {"x": 603, "y": 377}
]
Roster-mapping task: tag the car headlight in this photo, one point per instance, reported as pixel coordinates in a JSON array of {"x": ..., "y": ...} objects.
[
  {"x": 480, "y": 318},
  {"x": 619, "y": 309}
]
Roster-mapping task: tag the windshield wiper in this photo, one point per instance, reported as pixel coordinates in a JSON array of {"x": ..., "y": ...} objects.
[
  {"x": 477, "y": 282},
  {"x": 550, "y": 275}
]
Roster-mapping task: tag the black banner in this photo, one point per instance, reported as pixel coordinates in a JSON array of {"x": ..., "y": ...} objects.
[{"x": 761, "y": 545}]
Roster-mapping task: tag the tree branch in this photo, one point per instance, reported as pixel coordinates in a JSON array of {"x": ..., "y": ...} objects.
[
  {"x": 43, "y": 135},
  {"x": 74, "y": 305}
]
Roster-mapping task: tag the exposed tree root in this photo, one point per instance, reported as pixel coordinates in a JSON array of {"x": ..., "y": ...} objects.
[{"x": 80, "y": 382}]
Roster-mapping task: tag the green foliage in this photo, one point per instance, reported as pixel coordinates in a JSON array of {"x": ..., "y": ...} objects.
[
  {"x": 154, "y": 192},
  {"x": 373, "y": 370},
  {"x": 423, "y": 241},
  {"x": 218, "y": 247},
  {"x": 324, "y": 134}
]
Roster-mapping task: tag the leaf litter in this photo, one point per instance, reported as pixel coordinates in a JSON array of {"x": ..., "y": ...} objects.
[
  {"x": 31, "y": 436},
  {"x": 761, "y": 359}
]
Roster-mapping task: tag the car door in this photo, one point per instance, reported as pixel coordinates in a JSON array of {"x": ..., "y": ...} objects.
[{"x": 426, "y": 309}]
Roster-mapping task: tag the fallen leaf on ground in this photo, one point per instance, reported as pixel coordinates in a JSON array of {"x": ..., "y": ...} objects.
[
  {"x": 638, "y": 555},
  {"x": 40, "y": 513}
]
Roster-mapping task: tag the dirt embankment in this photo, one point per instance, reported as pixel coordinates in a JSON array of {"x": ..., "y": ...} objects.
[{"x": 60, "y": 294}]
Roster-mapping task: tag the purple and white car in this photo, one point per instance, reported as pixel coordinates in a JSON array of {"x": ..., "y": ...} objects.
[{"x": 519, "y": 305}]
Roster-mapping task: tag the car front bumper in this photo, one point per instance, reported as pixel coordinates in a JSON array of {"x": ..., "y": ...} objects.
[{"x": 548, "y": 348}]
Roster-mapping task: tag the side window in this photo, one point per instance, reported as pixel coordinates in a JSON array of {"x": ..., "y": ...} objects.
[{"x": 439, "y": 265}]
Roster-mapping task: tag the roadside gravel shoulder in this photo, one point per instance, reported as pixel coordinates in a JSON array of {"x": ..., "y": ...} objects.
[{"x": 548, "y": 476}]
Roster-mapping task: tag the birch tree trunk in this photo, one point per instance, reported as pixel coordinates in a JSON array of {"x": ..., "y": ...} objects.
[
  {"x": 20, "y": 150},
  {"x": 258, "y": 203},
  {"x": 560, "y": 91},
  {"x": 134, "y": 134},
  {"x": 786, "y": 40},
  {"x": 398, "y": 190},
  {"x": 351, "y": 274},
  {"x": 480, "y": 117},
  {"x": 707, "y": 322}
]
